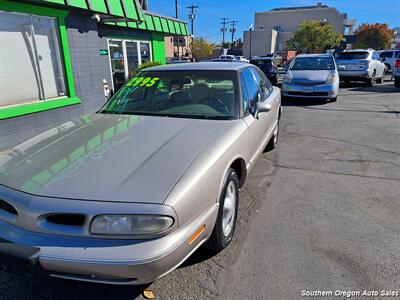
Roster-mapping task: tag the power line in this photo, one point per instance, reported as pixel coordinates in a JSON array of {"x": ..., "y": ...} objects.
[
  {"x": 233, "y": 29},
  {"x": 223, "y": 29}
]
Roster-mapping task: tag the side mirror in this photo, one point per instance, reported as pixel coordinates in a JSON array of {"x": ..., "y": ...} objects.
[{"x": 262, "y": 107}]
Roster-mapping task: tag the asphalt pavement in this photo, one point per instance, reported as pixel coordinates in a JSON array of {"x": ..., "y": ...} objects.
[{"x": 321, "y": 212}]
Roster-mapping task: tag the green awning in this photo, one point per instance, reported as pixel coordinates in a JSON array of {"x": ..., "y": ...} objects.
[
  {"x": 157, "y": 23},
  {"x": 109, "y": 10},
  {"x": 126, "y": 13}
]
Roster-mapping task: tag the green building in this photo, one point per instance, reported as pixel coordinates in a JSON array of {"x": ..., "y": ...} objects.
[{"x": 59, "y": 58}]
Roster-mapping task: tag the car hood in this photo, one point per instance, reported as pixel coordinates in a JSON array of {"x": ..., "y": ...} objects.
[
  {"x": 108, "y": 158},
  {"x": 310, "y": 76}
]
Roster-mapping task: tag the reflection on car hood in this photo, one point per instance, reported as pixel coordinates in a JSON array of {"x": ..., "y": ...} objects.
[
  {"x": 108, "y": 157},
  {"x": 310, "y": 76}
]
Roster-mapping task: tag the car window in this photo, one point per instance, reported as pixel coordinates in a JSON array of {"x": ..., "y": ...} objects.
[
  {"x": 252, "y": 86},
  {"x": 313, "y": 63},
  {"x": 184, "y": 94},
  {"x": 245, "y": 95},
  {"x": 386, "y": 54},
  {"x": 353, "y": 55},
  {"x": 263, "y": 82},
  {"x": 397, "y": 54}
]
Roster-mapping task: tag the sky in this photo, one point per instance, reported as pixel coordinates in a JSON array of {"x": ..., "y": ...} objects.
[{"x": 208, "y": 21}]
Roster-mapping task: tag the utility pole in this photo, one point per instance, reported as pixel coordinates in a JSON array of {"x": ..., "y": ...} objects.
[
  {"x": 233, "y": 29},
  {"x": 192, "y": 17},
  {"x": 223, "y": 29},
  {"x": 178, "y": 37}
]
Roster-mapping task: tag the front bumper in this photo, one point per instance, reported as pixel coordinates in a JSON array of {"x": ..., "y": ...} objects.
[
  {"x": 328, "y": 91},
  {"x": 103, "y": 261}
]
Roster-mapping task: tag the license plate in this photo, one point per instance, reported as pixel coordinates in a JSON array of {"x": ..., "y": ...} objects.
[{"x": 307, "y": 89}]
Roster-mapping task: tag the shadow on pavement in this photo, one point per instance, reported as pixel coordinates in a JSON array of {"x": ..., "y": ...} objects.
[
  {"x": 201, "y": 254},
  {"x": 303, "y": 102},
  {"x": 53, "y": 288}
]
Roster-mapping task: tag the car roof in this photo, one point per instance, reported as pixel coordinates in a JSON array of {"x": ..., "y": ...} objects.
[
  {"x": 262, "y": 58},
  {"x": 315, "y": 55},
  {"x": 202, "y": 66}
]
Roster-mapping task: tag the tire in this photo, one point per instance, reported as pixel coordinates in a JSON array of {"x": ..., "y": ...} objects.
[
  {"x": 397, "y": 82},
  {"x": 379, "y": 80},
  {"x": 224, "y": 229},
  {"x": 273, "y": 142},
  {"x": 371, "y": 81}
]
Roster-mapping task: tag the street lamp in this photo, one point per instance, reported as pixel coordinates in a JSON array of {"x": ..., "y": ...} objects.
[{"x": 250, "y": 29}]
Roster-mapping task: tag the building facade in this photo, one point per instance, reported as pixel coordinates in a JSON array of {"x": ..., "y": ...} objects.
[
  {"x": 274, "y": 28},
  {"x": 60, "y": 58}
]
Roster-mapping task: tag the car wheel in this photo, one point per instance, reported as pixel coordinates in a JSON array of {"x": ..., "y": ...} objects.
[
  {"x": 371, "y": 81},
  {"x": 273, "y": 142},
  {"x": 397, "y": 82},
  {"x": 225, "y": 225},
  {"x": 379, "y": 80}
]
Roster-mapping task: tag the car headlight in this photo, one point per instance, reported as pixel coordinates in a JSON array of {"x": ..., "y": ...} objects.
[
  {"x": 331, "y": 79},
  {"x": 288, "y": 78},
  {"x": 130, "y": 224}
]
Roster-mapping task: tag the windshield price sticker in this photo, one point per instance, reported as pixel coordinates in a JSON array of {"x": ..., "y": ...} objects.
[{"x": 143, "y": 81}]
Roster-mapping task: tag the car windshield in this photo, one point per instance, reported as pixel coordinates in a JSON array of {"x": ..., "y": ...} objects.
[
  {"x": 313, "y": 63},
  {"x": 184, "y": 94},
  {"x": 353, "y": 55},
  {"x": 266, "y": 63}
]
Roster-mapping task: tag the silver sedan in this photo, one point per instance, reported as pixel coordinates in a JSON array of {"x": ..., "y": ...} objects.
[
  {"x": 124, "y": 196},
  {"x": 312, "y": 76}
]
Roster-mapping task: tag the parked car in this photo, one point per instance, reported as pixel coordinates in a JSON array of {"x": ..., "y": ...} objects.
[
  {"x": 228, "y": 57},
  {"x": 360, "y": 65},
  {"x": 242, "y": 59},
  {"x": 268, "y": 66},
  {"x": 312, "y": 76},
  {"x": 396, "y": 72},
  {"x": 126, "y": 195},
  {"x": 275, "y": 57},
  {"x": 389, "y": 58}
]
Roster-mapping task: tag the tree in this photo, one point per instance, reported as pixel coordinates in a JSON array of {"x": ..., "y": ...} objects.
[
  {"x": 377, "y": 36},
  {"x": 314, "y": 36},
  {"x": 202, "y": 49}
]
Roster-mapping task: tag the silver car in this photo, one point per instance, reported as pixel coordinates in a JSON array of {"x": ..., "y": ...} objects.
[
  {"x": 360, "y": 65},
  {"x": 312, "y": 76},
  {"x": 125, "y": 195}
]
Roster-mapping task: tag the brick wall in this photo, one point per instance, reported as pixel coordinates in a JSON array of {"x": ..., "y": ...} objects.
[{"x": 89, "y": 69}]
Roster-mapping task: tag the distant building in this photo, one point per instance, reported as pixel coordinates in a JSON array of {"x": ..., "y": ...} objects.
[
  {"x": 177, "y": 48},
  {"x": 275, "y": 27}
]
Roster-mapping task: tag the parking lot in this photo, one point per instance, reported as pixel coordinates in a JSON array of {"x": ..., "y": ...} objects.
[{"x": 321, "y": 212}]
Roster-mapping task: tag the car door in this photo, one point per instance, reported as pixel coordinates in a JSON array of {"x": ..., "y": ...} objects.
[
  {"x": 260, "y": 128},
  {"x": 378, "y": 65}
]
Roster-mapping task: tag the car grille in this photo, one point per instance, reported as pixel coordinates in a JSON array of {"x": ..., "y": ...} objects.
[
  {"x": 309, "y": 83},
  {"x": 308, "y": 94}
]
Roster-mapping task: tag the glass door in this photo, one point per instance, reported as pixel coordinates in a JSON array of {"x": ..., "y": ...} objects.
[
  {"x": 145, "y": 52},
  {"x": 117, "y": 59},
  {"x": 132, "y": 56},
  {"x": 125, "y": 57}
]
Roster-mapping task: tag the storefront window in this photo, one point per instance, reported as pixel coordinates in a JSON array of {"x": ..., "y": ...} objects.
[
  {"x": 31, "y": 67},
  {"x": 125, "y": 57}
]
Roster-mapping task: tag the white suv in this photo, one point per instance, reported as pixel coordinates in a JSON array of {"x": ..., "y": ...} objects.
[
  {"x": 389, "y": 57},
  {"x": 360, "y": 65}
]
